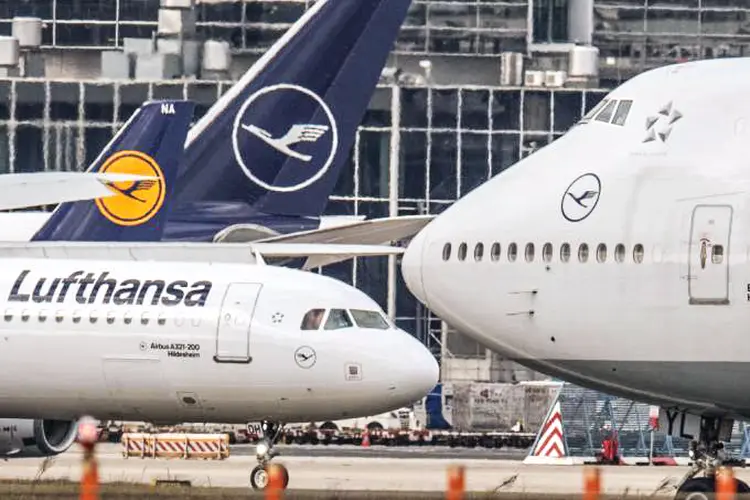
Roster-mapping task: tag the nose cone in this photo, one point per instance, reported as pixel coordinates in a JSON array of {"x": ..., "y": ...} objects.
[
  {"x": 417, "y": 370},
  {"x": 411, "y": 265}
]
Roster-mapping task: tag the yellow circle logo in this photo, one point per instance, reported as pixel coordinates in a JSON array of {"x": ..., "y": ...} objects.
[{"x": 134, "y": 202}]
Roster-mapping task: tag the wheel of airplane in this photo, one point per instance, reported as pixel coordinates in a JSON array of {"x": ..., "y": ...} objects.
[
  {"x": 702, "y": 488},
  {"x": 259, "y": 477}
]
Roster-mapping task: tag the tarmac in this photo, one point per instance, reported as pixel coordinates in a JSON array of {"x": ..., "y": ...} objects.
[{"x": 356, "y": 473}]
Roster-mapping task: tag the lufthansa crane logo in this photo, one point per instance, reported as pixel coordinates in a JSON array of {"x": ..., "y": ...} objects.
[
  {"x": 581, "y": 197},
  {"x": 135, "y": 202},
  {"x": 312, "y": 145},
  {"x": 305, "y": 357}
]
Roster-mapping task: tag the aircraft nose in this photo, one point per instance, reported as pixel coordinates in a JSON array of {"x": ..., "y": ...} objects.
[
  {"x": 411, "y": 265},
  {"x": 419, "y": 369}
]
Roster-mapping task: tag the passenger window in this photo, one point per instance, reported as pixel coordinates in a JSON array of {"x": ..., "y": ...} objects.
[
  {"x": 529, "y": 254},
  {"x": 512, "y": 252},
  {"x": 42, "y": 316},
  {"x": 478, "y": 252},
  {"x": 8, "y": 315},
  {"x": 495, "y": 252},
  {"x": 565, "y": 252},
  {"x": 638, "y": 253},
  {"x": 622, "y": 113},
  {"x": 462, "y": 252},
  {"x": 620, "y": 253},
  {"x": 606, "y": 114},
  {"x": 77, "y": 316},
  {"x": 312, "y": 319},
  {"x": 337, "y": 319},
  {"x": 144, "y": 318},
  {"x": 369, "y": 319},
  {"x": 601, "y": 253},
  {"x": 446, "y": 251},
  {"x": 110, "y": 317},
  {"x": 717, "y": 254},
  {"x": 24, "y": 315},
  {"x": 583, "y": 252},
  {"x": 59, "y": 316},
  {"x": 93, "y": 318},
  {"x": 127, "y": 318},
  {"x": 547, "y": 252},
  {"x": 162, "y": 319}
]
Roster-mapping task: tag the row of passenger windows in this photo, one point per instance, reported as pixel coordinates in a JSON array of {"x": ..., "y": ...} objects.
[
  {"x": 127, "y": 318},
  {"x": 343, "y": 318},
  {"x": 565, "y": 252}
]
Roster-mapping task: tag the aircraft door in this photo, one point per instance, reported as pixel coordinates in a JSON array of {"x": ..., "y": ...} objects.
[
  {"x": 233, "y": 333},
  {"x": 708, "y": 265}
]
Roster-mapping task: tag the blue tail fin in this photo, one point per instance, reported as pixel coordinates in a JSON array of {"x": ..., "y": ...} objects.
[
  {"x": 280, "y": 136},
  {"x": 151, "y": 144}
]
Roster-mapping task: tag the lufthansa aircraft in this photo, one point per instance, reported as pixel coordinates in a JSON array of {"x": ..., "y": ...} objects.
[
  {"x": 167, "y": 340},
  {"x": 617, "y": 256},
  {"x": 264, "y": 159},
  {"x": 172, "y": 342}
]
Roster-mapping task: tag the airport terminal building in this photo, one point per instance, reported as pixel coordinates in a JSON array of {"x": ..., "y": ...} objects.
[{"x": 471, "y": 87}]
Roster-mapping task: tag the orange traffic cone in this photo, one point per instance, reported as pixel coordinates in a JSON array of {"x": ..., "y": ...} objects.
[
  {"x": 366, "y": 439},
  {"x": 591, "y": 483},
  {"x": 456, "y": 482},
  {"x": 726, "y": 486}
]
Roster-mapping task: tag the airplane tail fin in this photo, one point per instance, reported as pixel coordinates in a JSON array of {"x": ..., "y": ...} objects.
[
  {"x": 279, "y": 137},
  {"x": 150, "y": 144}
]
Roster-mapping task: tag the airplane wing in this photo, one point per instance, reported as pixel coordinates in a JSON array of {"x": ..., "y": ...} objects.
[
  {"x": 376, "y": 232},
  {"x": 249, "y": 253},
  {"x": 366, "y": 232},
  {"x": 323, "y": 254},
  {"x": 49, "y": 188}
]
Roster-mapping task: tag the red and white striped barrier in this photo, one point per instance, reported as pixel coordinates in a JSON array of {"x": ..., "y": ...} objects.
[{"x": 205, "y": 446}]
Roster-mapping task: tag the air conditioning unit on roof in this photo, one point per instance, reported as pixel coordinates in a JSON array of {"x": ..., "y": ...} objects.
[{"x": 533, "y": 78}]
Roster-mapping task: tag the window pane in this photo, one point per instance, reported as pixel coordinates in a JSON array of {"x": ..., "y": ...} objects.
[
  {"x": 337, "y": 319},
  {"x": 369, "y": 319},
  {"x": 312, "y": 319}
]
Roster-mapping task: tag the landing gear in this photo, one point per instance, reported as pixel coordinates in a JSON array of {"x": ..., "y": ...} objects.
[
  {"x": 264, "y": 452},
  {"x": 707, "y": 454}
]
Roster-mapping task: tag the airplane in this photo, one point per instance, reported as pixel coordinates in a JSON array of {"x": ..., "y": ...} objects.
[
  {"x": 276, "y": 141},
  {"x": 92, "y": 265},
  {"x": 171, "y": 342},
  {"x": 616, "y": 257}
]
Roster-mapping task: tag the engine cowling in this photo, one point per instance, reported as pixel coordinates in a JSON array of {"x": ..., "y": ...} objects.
[{"x": 24, "y": 437}]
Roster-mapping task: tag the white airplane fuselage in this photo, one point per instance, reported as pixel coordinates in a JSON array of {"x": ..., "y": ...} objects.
[
  {"x": 172, "y": 342},
  {"x": 654, "y": 298}
]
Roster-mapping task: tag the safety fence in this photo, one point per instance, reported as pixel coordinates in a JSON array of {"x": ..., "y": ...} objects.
[{"x": 197, "y": 446}]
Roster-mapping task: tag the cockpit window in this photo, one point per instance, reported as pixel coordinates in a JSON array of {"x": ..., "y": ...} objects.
[
  {"x": 337, "y": 319},
  {"x": 622, "y": 113},
  {"x": 593, "y": 111},
  {"x": 369, "y": 319},
  {"x": 312, "y": 319},
  {"x": 606, "y": 114}
]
